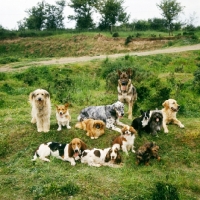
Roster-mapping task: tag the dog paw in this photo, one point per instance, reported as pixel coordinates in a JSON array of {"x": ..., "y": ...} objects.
[
  {"x": 73, "y": 163},
  {"x": 46, "y": 130},
  {"x": 182, "y": 126},
  {"x": 130, "y": 117},
  {"x": 59, "y": 129},
  {"x": 68, "y": 127}
]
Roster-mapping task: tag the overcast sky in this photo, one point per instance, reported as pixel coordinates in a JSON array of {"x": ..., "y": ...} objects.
[{"x": 12, "y": 11}]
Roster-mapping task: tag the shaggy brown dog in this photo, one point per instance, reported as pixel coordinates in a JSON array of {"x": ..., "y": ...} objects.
[
  {"x": 126, "y": 91},
  {"x": 169, "y": 114},
  {"x": 94, "y": 128},
  {"x": 147, "y": 151},
  {"x": 41, "y": 109}
]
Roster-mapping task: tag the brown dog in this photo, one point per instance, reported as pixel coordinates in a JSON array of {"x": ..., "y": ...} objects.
[
  {"x": 147, "y": 151},
  {"x": 169, "y": 111},
  {"x": 94, "y": 128},
  {"x": 126, "y": 91}
]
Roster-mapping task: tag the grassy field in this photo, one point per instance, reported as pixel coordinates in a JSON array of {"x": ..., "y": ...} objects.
[{"x": 156, "y": 78}]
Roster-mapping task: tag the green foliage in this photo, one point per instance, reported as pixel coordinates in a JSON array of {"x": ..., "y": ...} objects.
[
  {"x": 44, "y": 16},
  {"x": 156, "y": 77},
  {"x": 115, "y": 34},
  {"x": 53, "y": 189},
  {"x": 165, "y": 191},
  {"x": 7, "y": 60},
  {"x": 83, "y": 13},
  {"x": 128, "y": 39},
  {"x": 170, "y": 10},
  {"x": 112, "y": 11}
]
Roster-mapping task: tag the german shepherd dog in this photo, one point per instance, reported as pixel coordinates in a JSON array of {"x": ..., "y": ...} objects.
[{"x": 126, "y": 91}]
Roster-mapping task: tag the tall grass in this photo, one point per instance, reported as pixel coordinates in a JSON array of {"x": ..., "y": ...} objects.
[{"x": 156, "y": 78}]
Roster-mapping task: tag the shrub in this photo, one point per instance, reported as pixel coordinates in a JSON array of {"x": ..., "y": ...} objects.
[
  {"x": 128, "y": 40},
  {"x": 115, "y": 34},
  {"x": 165, "y": 191}
]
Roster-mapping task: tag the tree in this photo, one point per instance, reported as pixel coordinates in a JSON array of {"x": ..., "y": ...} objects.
[
  {"x": 83, "y": 13},
  {"x": 170, "y": 11},
  {"x": 54, "y": 15},
  {"x": 112, "y": 12},
  {"x": 44, "y": 16},
  {"x": 36, "y": 17}
]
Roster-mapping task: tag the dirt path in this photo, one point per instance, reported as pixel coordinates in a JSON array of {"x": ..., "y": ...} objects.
[{"x": 67, "y": 60}]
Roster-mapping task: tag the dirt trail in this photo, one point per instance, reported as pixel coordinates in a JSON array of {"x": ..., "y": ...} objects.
[{"x": 67, "y": 60}]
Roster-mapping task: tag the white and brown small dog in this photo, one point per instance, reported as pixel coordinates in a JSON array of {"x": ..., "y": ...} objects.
[
  {"x": 66, "y": 152},
  {"x": 126, "y": 140},
  {"x": 169, "y": 112},
  {"x": 41, "y": 109},
  {"x": 101, "y": 157},
  {"x": 94, "y": 128},
  {"x": 63, "y": 117}
]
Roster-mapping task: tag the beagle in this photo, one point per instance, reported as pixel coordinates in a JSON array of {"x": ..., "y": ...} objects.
[{"x": 66, "y": 152}]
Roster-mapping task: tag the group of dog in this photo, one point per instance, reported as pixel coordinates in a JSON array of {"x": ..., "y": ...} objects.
[{"x": 94, "y": 120}]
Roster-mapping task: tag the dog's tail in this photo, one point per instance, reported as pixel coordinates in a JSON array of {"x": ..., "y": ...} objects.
[{"x": 80, "y": 125}]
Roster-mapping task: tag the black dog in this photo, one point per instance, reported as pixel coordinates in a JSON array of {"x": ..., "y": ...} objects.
[
  {"x": 155, "y": 123},
  {"x": 141, "y": 122}
]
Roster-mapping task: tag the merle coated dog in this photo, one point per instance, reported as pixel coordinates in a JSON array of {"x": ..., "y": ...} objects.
[
  {"x": 110, "y": 114},
  {"x": 141, "y": 122}
]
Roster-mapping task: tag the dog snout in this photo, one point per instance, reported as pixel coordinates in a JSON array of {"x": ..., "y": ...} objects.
[
  {"x": 124, "y": 83},
  {"x": 39, "y": 99},
  {"x": 76, "y": 150}
]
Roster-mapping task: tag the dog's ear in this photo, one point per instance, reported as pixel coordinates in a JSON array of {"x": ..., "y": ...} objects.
[
  {"x": 166, "y": 104},
  {"x": 129, "y": 72},
  {"x": 119, "y": 72},
  {"x": 31, "y": 95},
  {"x": 103, "y": 125},
  {"x": 70, "y": 150},
  {"x": 46, "y": 94},
  {"x": 108, "y": 158},
  {"x": 83, "y": 146},
  {"x": 119, "y": 158},
  {"x": 67, "y": 105}
]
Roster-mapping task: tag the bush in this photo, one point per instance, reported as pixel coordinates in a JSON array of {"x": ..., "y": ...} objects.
[
  {"x": 115, "y": 34},
  {"x": 165, "y": 191},
  {"x": 128, "y": 39}
]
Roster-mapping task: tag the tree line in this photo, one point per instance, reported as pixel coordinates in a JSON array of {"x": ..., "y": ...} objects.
[{"x": 45, "y": 16}]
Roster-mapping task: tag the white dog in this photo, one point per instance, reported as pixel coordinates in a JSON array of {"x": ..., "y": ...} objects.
[
  {"x": 102, "y": 157},
  {"x": 41, "y": 109}
]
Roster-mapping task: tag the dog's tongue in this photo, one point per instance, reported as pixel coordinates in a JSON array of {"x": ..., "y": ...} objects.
[
  {"x": 123, "y": 87},
  {"x": 157, "y": 119},
  {"x": 76, "y": 154}
]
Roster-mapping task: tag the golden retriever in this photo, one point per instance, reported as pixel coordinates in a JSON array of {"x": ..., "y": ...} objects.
[
  {"x": 169, "y": 112},
  {"x": 94, "y": 128},
  {"x": 41, "y": 109}
]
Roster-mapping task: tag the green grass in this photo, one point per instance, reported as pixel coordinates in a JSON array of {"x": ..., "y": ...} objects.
[
  {"x": 83, "y": 44},
  {"x": 156, "y": 78}
]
